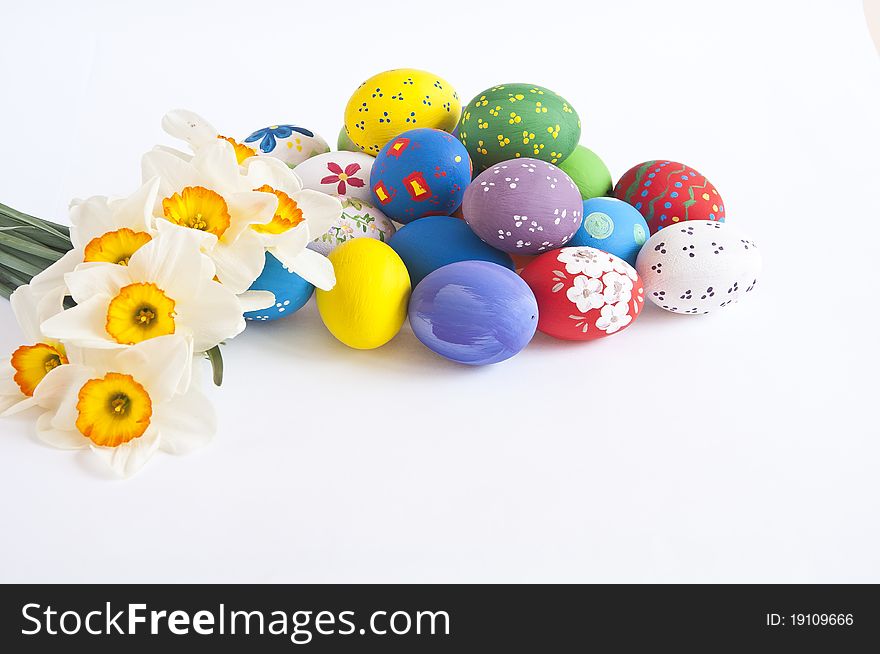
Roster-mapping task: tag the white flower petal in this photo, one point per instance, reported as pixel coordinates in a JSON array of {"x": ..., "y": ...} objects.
[
  {"x": 97, "y": 278},
  {"x": 190, "y": 127},
  {"x": 248, "y": 208},
  {"x": 218, "y": 167},
  {"x": 240, "y": 263},
  {"x": 319, "y": 209},
  {"x": 83, "y": 325},
  {"x": 212, "y": 317},
  {"x": 30, "y": 310},
  {"x": 53, "y": 277},
  {"x": 174, "y": 173},
  {"x": 128, "y": 458},
  {"x": 136, "y": 211},
  {"x": 185, "y": 423},
  {"x": 89, "y": 218},
  {"x": 157, "y": 364},
  {"x": 64, "y": 439},
  {"x": 172, "y": 261},
  {"x": 313, "y": 267},
  {"x": 272, "y": 172},
  {"x": 256, "y": 300}
]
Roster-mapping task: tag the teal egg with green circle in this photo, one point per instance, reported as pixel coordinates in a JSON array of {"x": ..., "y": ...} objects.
[{"x": 613, "y": 226}]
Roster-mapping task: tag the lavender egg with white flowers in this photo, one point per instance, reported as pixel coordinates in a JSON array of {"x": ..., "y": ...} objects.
[
  {"x": 473, "y": 312},
  {"x": 523, "y": 206}
]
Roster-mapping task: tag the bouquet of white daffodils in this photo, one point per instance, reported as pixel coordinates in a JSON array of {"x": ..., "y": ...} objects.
[{"x": 117, "y": 309}]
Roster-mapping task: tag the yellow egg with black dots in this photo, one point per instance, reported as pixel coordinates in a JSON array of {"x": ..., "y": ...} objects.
[
  {"x": 397, "y": 100},
  {"x": 367, "y": 307}
]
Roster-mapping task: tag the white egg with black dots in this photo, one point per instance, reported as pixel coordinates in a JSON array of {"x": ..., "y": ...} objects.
[{"x": 698, "y": 266}]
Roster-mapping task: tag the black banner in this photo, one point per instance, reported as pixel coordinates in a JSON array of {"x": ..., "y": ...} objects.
[{"x": 400, "y": 618}]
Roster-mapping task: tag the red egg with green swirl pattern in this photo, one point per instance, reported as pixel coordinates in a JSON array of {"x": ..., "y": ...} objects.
[{"x": 667, "y": 192}]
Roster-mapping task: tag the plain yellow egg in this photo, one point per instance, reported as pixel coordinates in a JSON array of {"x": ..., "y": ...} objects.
[
  {"x": 367, "y": 306},
  {"x": 395, "y": 101}
]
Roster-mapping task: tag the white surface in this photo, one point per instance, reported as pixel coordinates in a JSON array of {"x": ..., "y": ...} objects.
[{"x": 741, "y": 446}]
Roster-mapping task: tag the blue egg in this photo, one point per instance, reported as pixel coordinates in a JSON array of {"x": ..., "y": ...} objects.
[
  {"x": 436, "y": 241},
  {"x": 422, "y": 172},
  {"x": 473, "y": 312},
  {"x": 291, "y": 291},
  {"x": 613, "y": 226}
]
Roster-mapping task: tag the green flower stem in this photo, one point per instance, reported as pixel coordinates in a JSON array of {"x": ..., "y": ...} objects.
[{"x": 216, "y": 360}]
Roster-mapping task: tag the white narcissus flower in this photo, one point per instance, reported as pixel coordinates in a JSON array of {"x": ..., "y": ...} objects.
[
  {"x": 24, "y": 371},
  {"x": 209, "y": 194},
  {"x": 103, "y": 229},
  {"x": 125, "y": 404},
  {"x": 168, "y": 287},
  {"x": 198, "y": 133},
  {"x": 302, "y": 216}
]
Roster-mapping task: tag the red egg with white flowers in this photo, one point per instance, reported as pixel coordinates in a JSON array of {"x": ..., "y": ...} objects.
[{"x": 584, "y": 293}]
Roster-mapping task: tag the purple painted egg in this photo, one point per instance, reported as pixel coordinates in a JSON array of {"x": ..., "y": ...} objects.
[
  {"x": 473, "y": 312},
  {"x": 422, "y": 172},
  {"x": 523, "y": 206}
]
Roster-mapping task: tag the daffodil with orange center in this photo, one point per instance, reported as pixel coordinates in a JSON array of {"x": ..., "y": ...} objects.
[
  {"x": 302, "y": 215},
  {"x": 23, "y": 371},
  {"x": 125, "y": 404},
  {"x": 208, "y": 193},
  {"x": 168, "y": 287},
  {"x": 103, "y": 230}
]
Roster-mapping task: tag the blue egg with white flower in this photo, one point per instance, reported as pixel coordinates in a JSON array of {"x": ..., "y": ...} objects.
[
  {"x": 473, "y": 312},
  {"x": 613, "y": 226},
  {"x": 291, "y": 291},
  {"x": 290, "y": 143},
  {"x": 421, "y": 172}
]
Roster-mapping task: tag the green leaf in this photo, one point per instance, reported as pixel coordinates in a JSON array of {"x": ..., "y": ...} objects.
[
  {"x": 20, "y": 263},
  {"x": 5, "y": 290},
  {"x": 11, "y": 242},
  {"x": 36, "y": 234},
  {"x": 45, "y": 225},
  {"x": 216, "y": 360},
  {"x": 13, "y": 277}
]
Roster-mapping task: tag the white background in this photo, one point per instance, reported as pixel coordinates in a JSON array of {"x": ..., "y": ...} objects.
[{"x": 740, "y": 446}]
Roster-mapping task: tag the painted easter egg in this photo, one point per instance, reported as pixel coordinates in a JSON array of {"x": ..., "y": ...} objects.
[
  {"x": 614, "y": 226},
  {"x": 588, "y": 172},
  {"x": 518, "y": 120},
  {"x": 698, "y": 267},
  {"x": 436, "y": 241},
  {"x": 290, "y": 143},
  {"x": 473, "y": 312},
  {"x": 291, "y": 291},
  {"x": 668, "y": 193},
  {"x": 584, "y": 293},
  {"x": 346, "y": 174},
  {"x": 397, "y": 100},
  {"x": 523, "y": 206},
  {"x": 421, "y": 172},
  {"x": 367, "y": 306},
  {"x": 343, "y": 143},
  {"x": 359, "y": 219}
]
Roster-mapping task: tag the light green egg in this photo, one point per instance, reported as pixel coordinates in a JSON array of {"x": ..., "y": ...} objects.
[
  {"x": 588, "y": 172},
  {"x": 343, "y": 142}
]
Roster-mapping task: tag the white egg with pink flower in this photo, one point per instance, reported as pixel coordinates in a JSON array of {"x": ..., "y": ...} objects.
[{"x": 346, "y": 174}]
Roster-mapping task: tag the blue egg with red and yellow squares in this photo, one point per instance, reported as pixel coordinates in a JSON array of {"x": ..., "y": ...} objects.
[{"x": 421, "y": 172}]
